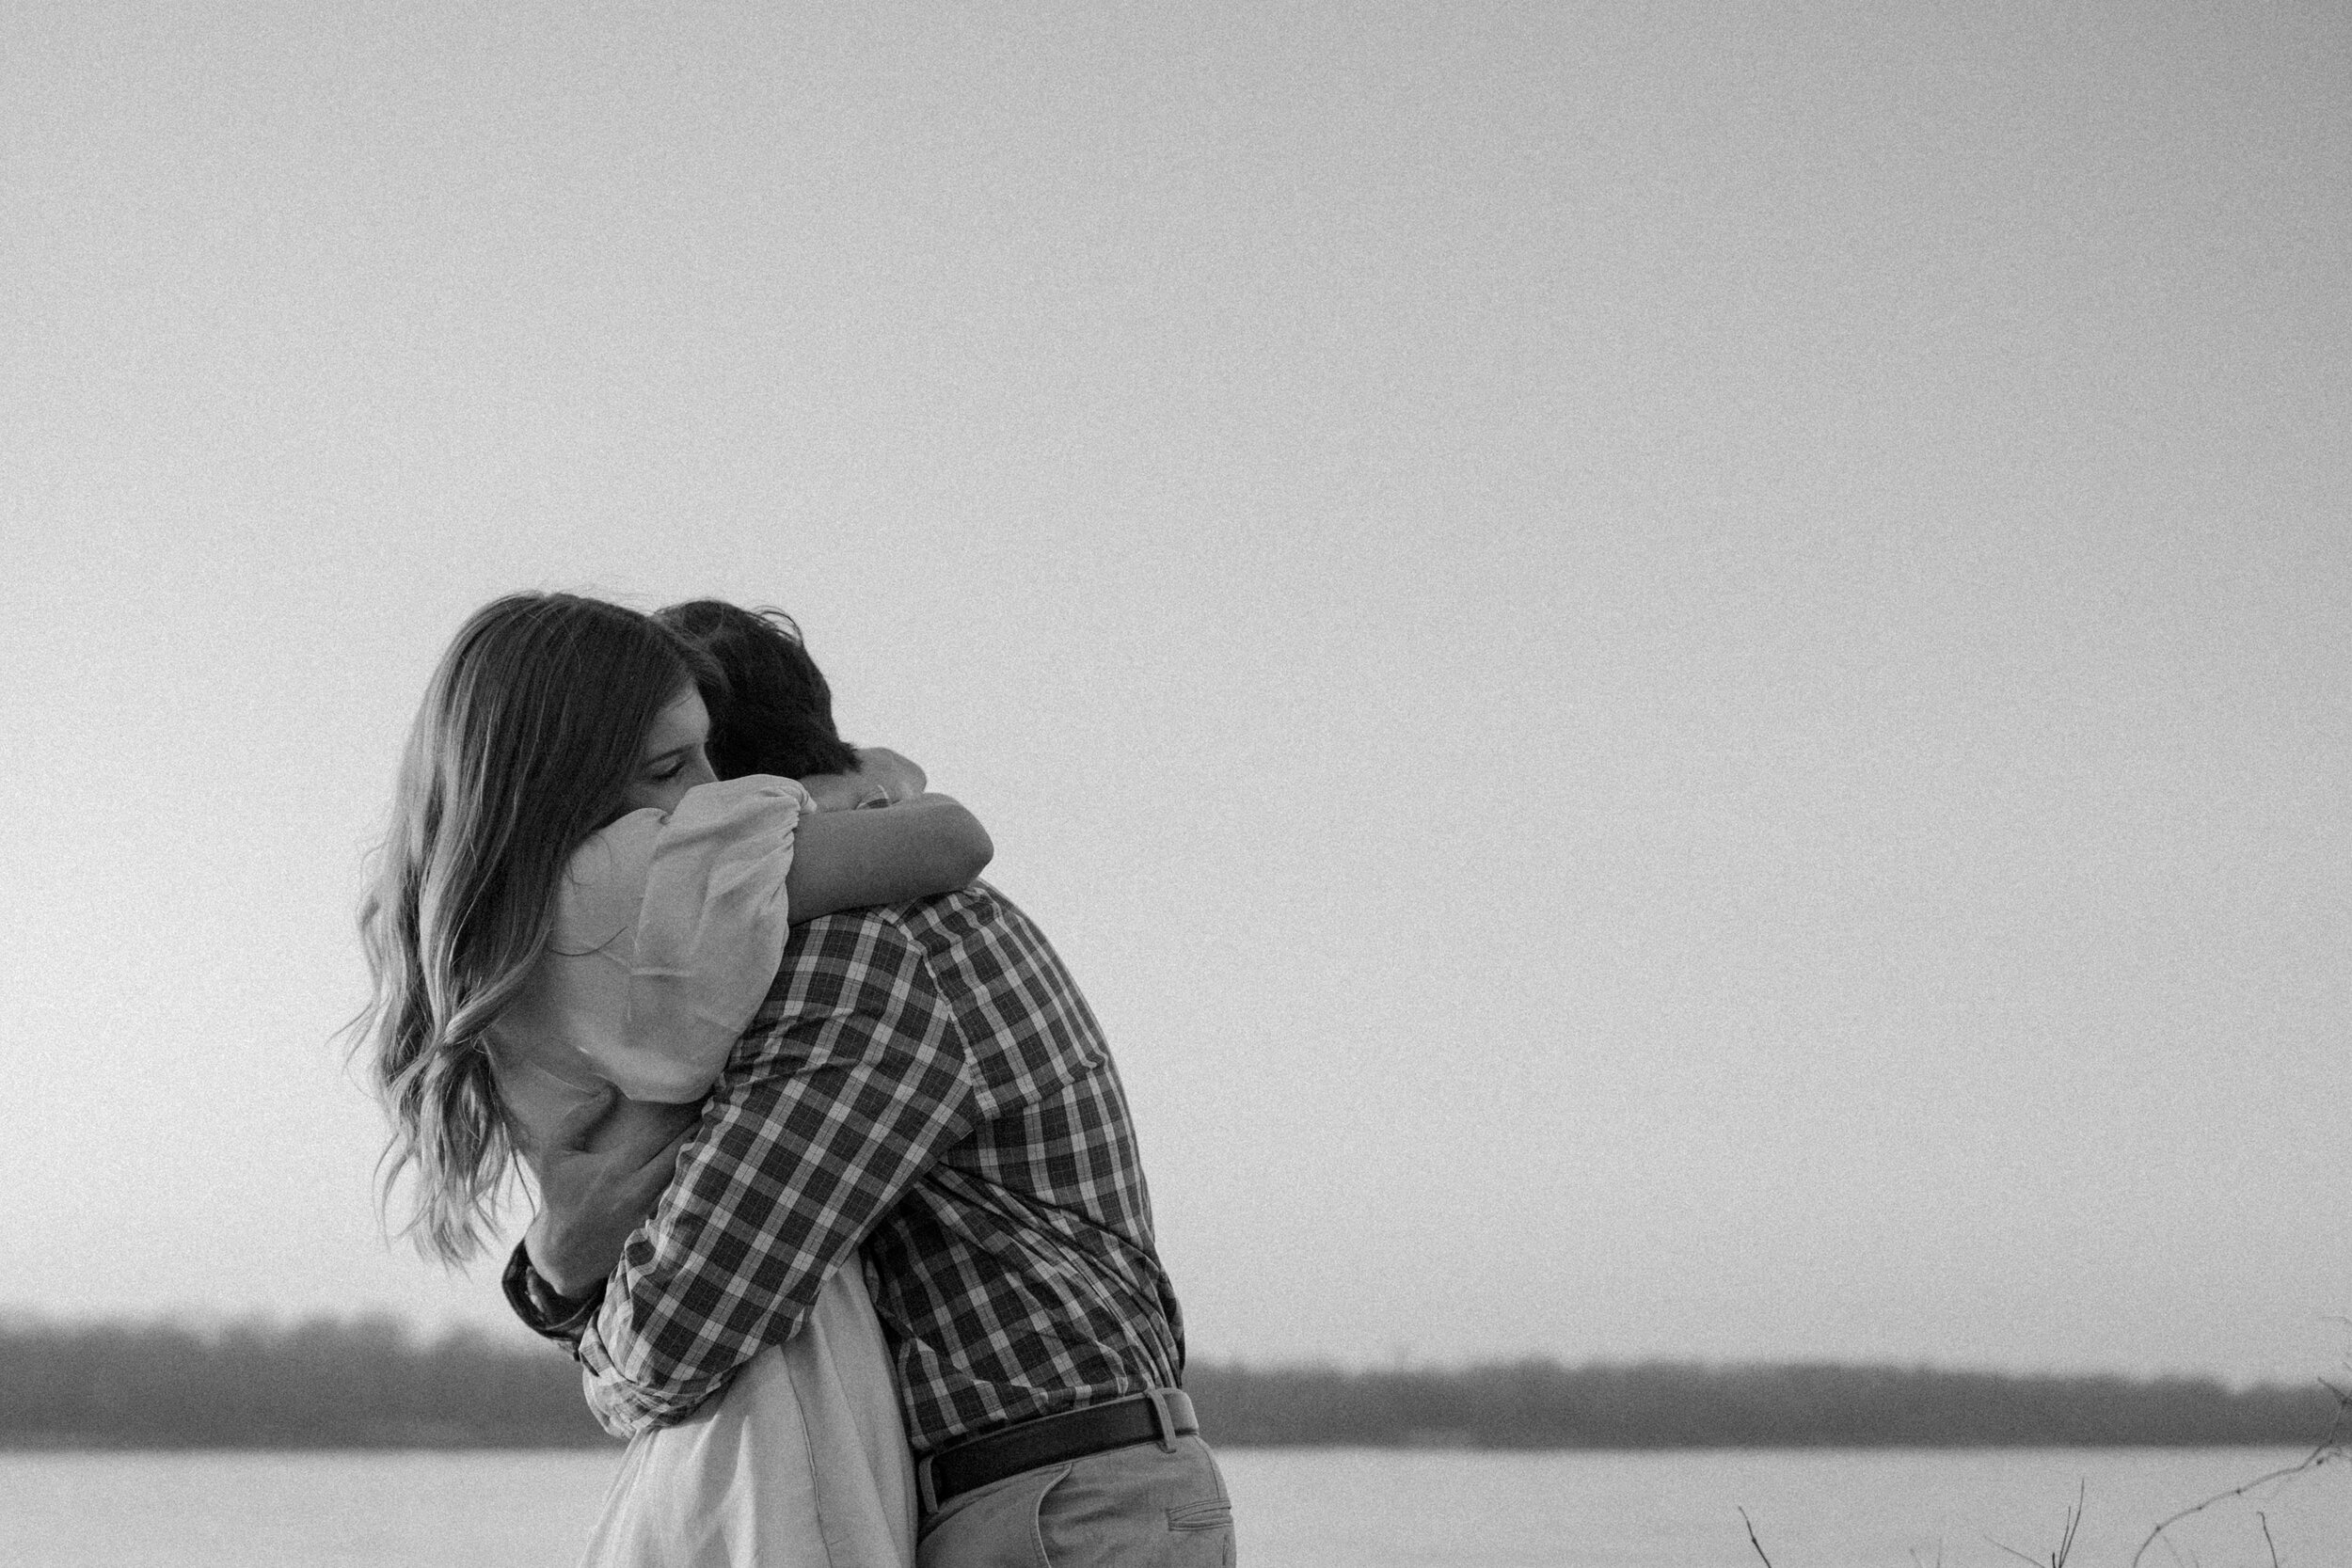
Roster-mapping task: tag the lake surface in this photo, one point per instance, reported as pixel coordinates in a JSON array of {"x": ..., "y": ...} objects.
[{"x": 1297, "y": 1508}]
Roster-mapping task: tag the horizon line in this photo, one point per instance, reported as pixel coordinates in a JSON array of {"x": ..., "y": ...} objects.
[{"x": 212, "y": 1326}]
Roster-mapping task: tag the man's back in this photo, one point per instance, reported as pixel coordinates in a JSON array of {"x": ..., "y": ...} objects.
[
  {"x": 1038, "y": 1222},
  {"x": 926, "y": 1078}
]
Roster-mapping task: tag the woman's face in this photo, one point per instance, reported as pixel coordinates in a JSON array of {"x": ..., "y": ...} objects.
[{"x": 671, "y": 761}]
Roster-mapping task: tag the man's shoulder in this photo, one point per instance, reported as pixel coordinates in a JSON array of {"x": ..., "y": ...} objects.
[
  {"x": 920, "y": 943},
  {"x": 916, "y": 924},
  {"x": 972, "y": 957},
  {"x": 947, "y": 915},
  {"x": 976, "y": 933}
]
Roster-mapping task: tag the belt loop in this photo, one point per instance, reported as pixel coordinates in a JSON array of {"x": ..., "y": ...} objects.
[
  {"x": 925, "y": 1491},
  {"x": 1163, "y": 1418}
]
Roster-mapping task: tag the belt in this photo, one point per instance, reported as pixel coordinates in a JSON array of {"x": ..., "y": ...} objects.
[{"x": 1159, "y": 1416}]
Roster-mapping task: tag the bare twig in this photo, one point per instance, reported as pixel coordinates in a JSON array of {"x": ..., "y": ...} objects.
[
  {"x": 1751, "y": 1540},
  {"x": 2066, "y": 1541},
  {"x": 2073, "y": 1523},
  {"x": 2326, "y": 1454},
  {"x": 2264, "y": 1519},
  {"x": 2330, "y": 1450}
]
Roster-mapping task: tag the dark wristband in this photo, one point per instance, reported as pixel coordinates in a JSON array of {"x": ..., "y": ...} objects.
[{"x": 560, "y": 1318}]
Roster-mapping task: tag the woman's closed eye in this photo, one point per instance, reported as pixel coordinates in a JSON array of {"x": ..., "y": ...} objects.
[{"x": 676, "y": 757}]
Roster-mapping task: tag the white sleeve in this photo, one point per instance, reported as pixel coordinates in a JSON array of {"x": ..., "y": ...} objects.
[{"x": 709, "y": 935}]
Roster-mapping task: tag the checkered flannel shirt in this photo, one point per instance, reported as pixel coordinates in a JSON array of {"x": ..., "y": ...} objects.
[{"x": 924, "y": 1080}]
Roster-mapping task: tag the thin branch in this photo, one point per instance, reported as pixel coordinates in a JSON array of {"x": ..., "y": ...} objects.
[
  {"x": 2325, "y": 1453},
  {"x": 2012, "y": 1551},
  {"x": 2331, "y": 1448},
  {"x": 2066, "y": 1540},
  {"x": 1751, "y": 1540},
  {"x": 2264, "y": 1520},
  {"x": 2073, "y": 1523}
]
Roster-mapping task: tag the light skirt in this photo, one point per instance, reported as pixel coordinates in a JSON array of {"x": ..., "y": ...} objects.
[{"x": 801, "y": 1461}]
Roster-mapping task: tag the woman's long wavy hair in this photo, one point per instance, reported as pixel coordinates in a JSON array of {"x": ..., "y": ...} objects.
[{"x": 525, "y": 744}]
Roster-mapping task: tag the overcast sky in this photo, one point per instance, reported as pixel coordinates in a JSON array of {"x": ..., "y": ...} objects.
[{"x": 1675, "y": 673}]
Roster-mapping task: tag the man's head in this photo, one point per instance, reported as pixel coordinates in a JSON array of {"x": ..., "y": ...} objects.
[{"x": 771, "y": 711}]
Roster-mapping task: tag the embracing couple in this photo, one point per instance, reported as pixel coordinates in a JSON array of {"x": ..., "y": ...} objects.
[{"x": 840, "y": 1207}]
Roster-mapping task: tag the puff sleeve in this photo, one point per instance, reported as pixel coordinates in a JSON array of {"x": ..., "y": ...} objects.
[{"x": 668, "y": 932}]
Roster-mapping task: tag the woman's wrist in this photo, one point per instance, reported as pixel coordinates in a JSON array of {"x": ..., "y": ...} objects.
[
  {"x": 882, "y": 778},
  {"x": 836, "y": 791}
]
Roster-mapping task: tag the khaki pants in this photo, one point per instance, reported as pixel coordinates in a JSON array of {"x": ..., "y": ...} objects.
[{"x": 1143, "y": 1506}]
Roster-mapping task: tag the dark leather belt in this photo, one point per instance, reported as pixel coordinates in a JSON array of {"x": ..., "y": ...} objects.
[{"x": 1160, "y": 1416}]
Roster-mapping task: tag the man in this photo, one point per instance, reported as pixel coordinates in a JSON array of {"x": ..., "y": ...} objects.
[{"x": 924, "y": 1082}]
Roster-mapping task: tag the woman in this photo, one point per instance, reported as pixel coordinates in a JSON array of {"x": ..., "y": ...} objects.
[{"x": 568, "y": 903}]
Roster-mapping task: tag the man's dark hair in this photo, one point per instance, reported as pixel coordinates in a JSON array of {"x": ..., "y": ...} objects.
[{"x": 770, "y": 710}]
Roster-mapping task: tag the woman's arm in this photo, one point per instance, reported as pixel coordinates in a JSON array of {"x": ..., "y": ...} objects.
[{"x": 846, "y": 860}]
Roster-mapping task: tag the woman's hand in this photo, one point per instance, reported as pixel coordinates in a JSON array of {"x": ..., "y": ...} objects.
[
  {"x": 599, "y": 1174},
  {"x": 884, "y": 778}
]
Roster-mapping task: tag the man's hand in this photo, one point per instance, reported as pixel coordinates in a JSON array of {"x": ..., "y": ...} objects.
[
  {"x": 599, "y": 1174},
  {"x": 884, "y": 778}
]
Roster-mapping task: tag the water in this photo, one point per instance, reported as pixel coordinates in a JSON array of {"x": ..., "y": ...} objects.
[{"x": 1296, "y": 1508}]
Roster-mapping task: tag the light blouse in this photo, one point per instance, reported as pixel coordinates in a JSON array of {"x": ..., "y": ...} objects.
[{"x": 667, "y": 930}]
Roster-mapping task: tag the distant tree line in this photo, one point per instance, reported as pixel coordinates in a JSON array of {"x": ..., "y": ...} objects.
[
  {"x": 1662, "y": 1404},
  {"x": 367, "y": 1383},
  {"x": 371, "y": 1384}
]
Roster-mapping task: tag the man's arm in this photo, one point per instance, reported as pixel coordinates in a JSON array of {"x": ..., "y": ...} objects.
[{"x": 815, "y": 1128}]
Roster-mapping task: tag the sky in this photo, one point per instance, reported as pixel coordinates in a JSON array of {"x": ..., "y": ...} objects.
[{"x": 1675, "y": 674}]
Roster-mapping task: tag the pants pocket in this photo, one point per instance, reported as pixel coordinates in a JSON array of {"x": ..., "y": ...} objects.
[
  {"x": 1208, "y": 1516},
  {"x": 1200, "y": 1535},
  {"x": 997, "y": 1527}
]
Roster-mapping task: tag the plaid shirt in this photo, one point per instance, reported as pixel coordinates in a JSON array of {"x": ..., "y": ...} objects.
[{"x": 924, "y": 1080}]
